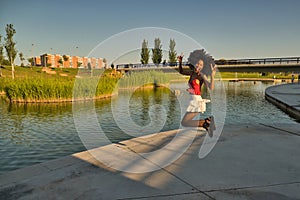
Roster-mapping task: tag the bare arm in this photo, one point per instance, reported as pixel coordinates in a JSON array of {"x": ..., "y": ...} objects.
[
  {"x": 180, "y": 66},
  {"x": 210, "y": 83}
]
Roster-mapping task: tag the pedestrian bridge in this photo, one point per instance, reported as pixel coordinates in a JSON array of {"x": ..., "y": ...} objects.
[{"x": 285, "y": 64}]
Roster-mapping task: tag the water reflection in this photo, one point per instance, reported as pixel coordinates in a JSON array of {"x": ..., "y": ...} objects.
[
  {"x": 32, "y": 133},
  {"x": 142, "y": 100},
  {"x": 38, "y": 108},
  {"x": 143, "y": 111},
  {"x": 247, "y": 104}
]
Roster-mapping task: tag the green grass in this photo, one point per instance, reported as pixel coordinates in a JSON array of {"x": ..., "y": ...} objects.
[
  {"x": 253, "y": 75},
  {"x": 143, "y": 78},
  {"x": 23, "y": 72}
]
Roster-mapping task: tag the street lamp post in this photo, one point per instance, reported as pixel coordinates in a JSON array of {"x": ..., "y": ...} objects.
[{"x": 33, "y": 57}]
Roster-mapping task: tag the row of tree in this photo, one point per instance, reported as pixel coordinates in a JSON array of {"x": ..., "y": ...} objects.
[
  {"x": 10, "y": 46},
  {"x": 157, "y": 52}
]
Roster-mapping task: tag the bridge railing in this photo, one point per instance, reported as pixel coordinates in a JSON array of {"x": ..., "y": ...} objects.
[
  {"x": 287, "y": 60},
  {"x": 149, "y": 65}
]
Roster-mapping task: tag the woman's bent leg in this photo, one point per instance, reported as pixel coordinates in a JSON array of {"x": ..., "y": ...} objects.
[{"x": 188, "y": 120}]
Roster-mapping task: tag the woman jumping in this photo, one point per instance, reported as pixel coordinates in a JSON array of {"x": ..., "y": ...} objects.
[{"x": 203, "y": 71}]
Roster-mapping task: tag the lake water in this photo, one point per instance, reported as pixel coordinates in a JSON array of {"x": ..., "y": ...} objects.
[{"x": 34, "y": 133}]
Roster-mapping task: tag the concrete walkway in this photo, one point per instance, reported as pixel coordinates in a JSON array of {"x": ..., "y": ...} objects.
[
  {"x": 286, "y": 97},
  {"x": 248, "y": 162}
]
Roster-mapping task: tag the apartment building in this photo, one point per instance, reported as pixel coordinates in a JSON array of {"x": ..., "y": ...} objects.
[
  {"x": 66, "y": 61},
  {"x": 47, "y": 60},
  {"x": 100, "y": 63},
  {"x": 36, "y": 61},
  {"x": 93, "y": 62}
]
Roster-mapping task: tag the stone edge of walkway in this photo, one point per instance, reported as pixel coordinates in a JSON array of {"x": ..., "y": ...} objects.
[{"x": 293, "y": 111}]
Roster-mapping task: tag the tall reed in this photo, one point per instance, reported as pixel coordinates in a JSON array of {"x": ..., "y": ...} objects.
[
  {"x": 87, "y": 86},
  {"x": 57, "y": 89},
  {"x": 141, "y": 78}
]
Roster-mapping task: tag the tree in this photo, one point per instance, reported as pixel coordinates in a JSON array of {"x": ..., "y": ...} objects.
[
  {"x": 157, "y": 51},
  {"x": 1, "y": 56},
  {"x": 65, "y": 58},
  {"x": 145, "y": 52},
  {"x": 79, "y": 64},
  {"x": 172, "y": 52},
  {"x": 89, "y": 66},
  {"x": 5, "y": 62},
  {"x": 105, "y": 62},
  {"x": 10, "y": 47},
  {"x": 30, "y": 60},
  {"x": 60, "y": 61},
  {"x": 21, "y": 58}
]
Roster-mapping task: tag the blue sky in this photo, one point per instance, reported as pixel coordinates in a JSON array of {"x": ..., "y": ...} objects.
[{"x": 227, "y": 29}]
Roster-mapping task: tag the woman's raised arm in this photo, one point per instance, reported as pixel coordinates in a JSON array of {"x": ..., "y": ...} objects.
[
  {"x": 210, "y": 84},
  {"x": 180, "y": 66}
]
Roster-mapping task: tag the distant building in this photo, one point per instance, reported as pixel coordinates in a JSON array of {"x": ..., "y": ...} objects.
[
  {"x": 80, "y": 62},
  {"x": 47, "y": 60},
  {"x": 100, "y": 63},
  {"x": 93, "y": 62},
  {"x": 55, "y": 60},
  {"x": 85, "y": 62},
  {"x": 66, "y": 61},
  {"x": 36, "y": 61},
  {"x": 74, "y": 62}
]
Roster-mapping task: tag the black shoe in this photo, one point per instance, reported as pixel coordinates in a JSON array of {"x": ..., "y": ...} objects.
[{"x": 209, "y": 125}]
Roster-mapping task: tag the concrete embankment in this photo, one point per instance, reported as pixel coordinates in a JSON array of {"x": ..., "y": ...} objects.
[
  {"x": 286, "y": 97},
  {"x": 256, "y": 79}
]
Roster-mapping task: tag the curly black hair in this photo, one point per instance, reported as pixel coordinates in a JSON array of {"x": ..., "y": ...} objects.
[{"x": 207, "y": 59}]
